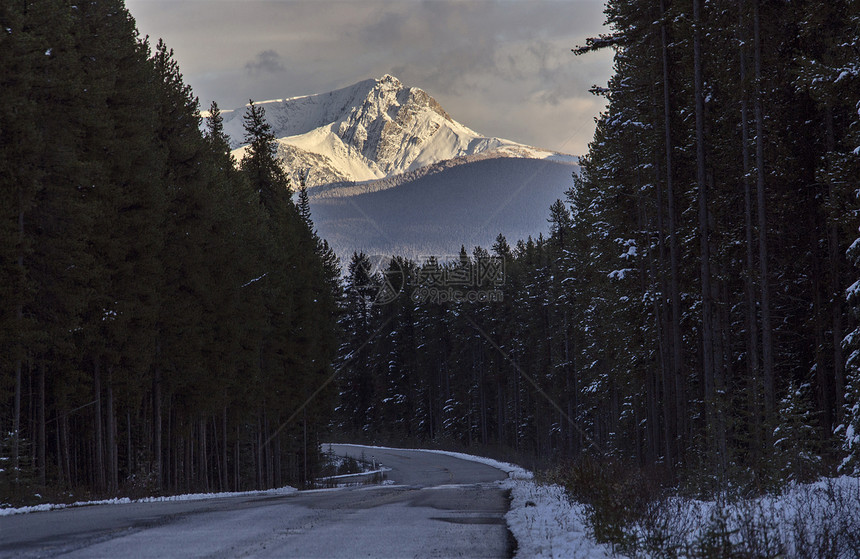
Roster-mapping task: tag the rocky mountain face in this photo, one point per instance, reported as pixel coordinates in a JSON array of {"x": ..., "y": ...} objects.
[{"x": 375, "y": 129}]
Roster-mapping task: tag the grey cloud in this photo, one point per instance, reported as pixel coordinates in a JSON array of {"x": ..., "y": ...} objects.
[
  {"x": 499, "y": 67},
  {"x": 453, "y": 47},
  {"x": 266, "y": 62},
  {"x": 388, "y": 29}
]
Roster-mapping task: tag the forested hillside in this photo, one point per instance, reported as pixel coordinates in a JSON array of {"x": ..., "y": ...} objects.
[
  {"x": 688, "y": 309},
  {"x": 164, "y": 312}
]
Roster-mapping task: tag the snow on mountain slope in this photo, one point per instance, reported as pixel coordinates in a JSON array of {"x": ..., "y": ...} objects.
[{"x": 374, "y": 129}]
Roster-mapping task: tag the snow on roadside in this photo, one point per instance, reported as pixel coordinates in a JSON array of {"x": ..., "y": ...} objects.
[
  {"x": 357, "y": 474},
  {"x": 125, "y": 500},
  {"x": 541, "y": 517},
  {"x": 513, "y": 471},
  {"x": 546, "y": 523},
  {"x": 821, "y": 518}
]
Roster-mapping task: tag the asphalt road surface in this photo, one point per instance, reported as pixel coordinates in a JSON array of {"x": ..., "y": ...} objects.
[{"x": 438, "y": 506}]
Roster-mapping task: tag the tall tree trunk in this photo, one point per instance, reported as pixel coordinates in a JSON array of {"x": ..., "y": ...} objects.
[
  {"x": 188, "y": 462},
  {"x": 305, "y": 447},
  {"x": 156, "y": 410},
  {"x": 129, "y": 453},
  {"x": 32, "y": 407},
  {"x": 722, "y": 326},
  {"x": 704, "y": 236},
  {"x": 61, "y": 477},
  {"x": 171, "y": 468},
  {"x": 754, "y": 385},
  {"x": 500, "y": 425},
  {"x": 204, "y": 469},
  {"x": 674, "y": 289},
  {"x": 648, "y": 281},
  {"x": 19, "y": 357},
  {"x": 237, "y": 480},
  {"x": 836, "y": 325},
  {"x": 43, "y": 443},
  {"x": 113, "y": 462},
  {"x": 823, "y": 385},
  {"x": 67, "y": 468},
  {"x": 224, "y": 473},
  {"x": 99, "y": 454},
  {"x": 662, "y": 311},
  {"x": 270, "y": 463},
  {"x": 277, "y": 469},
  {"x": 16, "y": 420},
  {"x": 767, "y": 333},
  {"x": 836, "y": 292},
  {"x": 260, "y": 451}
]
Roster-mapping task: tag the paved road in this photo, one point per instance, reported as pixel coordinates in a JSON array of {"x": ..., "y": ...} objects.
[{"x": 439, "y": 507}]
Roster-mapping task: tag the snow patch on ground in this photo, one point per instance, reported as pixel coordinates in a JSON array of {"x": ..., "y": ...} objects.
[
  {"x": 125, "y": 500},
  {"x": 800, "y": 521},
  {"x": 546, "y": 524},
  {"x": 802, "y": 517}
]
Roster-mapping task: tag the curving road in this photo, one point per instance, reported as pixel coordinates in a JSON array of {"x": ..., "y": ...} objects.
[{"x": 439, "y": 506}]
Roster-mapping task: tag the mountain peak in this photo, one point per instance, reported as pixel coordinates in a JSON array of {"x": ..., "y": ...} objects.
[
  {"x": 388, "y": 78},
  {"x": 373, "y": 129}
]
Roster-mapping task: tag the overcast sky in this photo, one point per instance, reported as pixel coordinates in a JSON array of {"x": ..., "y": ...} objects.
[{"x": 503, "y": 68}]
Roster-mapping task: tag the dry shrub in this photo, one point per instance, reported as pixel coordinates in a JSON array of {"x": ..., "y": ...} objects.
[
  {"x": 616, "y": 496},
  {"x": 630, "y": 509}
]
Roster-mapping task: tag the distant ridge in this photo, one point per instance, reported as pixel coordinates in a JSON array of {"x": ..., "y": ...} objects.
[{"x": 434, "y": 213}]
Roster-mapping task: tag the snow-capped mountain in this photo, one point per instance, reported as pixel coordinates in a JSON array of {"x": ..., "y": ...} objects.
[
  {"x": 393, "y": 173},
  {"x": 375, "y": 129}
]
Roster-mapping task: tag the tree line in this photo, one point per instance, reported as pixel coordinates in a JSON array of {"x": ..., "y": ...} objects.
[
  {"x": 687, "y": 310},
  {"x": 166, "y": 312}
]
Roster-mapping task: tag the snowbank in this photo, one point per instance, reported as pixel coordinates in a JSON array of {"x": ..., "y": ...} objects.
[
  {"x": 513, "y": 471},
  {"x": 546, "y": 524},
  {"x": 124, "y": 500}
]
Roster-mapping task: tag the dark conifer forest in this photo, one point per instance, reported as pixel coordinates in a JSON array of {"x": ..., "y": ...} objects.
[
  {"x": 165, "y": 312},
  {"x": 687, "y": 310},
  {"x": 170, "y": 321}
]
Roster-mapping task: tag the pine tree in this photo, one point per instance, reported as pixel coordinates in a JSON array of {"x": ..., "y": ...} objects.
[
  {"x": 796, "y": 453},
  {"x": 356, "y": 407},
  {"x": 260, "y": 163},
  {"x": 849, "y": 430}
]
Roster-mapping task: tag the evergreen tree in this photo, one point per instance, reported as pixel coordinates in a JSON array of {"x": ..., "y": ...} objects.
[
  {"x": 260, "y": 163},
  {"x": 133, "y": 268},
  {"x": 795, "y": 450}
]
